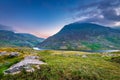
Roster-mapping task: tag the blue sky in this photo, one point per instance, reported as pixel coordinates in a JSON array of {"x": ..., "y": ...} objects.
[{"x": 46, "y": 17}]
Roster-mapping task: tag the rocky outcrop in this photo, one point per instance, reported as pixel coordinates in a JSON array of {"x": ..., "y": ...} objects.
[
  {"x": 26, "y": 64},
  {"x": 13, "y": 54},
  {"x": 9, "y": 54},
  {"x": 3, "y": 53}
]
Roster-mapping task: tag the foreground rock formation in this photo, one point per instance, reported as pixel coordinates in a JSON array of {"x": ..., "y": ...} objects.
[{"x": 26, "y": 64}]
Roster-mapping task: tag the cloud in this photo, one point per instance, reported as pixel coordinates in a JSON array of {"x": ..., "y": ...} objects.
[
  {"x": 108, "y": 9},
  {"x": 106, "y": 12},
  {"x": 2, "y": 27}
]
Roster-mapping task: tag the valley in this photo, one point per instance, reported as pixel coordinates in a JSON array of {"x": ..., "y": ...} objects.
[
  {"x": 79, "y": 51},
  {"x": 59, "y": 39}
]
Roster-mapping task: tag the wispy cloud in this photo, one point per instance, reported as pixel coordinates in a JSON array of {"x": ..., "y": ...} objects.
[{"x": 106, "y": 12}]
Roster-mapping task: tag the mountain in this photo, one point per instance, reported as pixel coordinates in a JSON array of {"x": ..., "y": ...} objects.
[
  {"x": 118, "y": 28},
  {"x": 83, "y": 36},
  {"x": 11, "y": 39}
]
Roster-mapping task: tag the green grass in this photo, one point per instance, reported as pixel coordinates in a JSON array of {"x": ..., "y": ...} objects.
[
  {"x": 70, "y": 65},
  {"x": 7, "y": 62},
  {"x": 93, "y": 46},
  {"x": 116, "y": 59}
]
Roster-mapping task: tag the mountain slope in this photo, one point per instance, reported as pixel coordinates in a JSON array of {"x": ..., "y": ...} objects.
[
  {"x": 80, "y": 36},
  {"x": 118, "y": 28},
  {"x": 11, "y": 39}
]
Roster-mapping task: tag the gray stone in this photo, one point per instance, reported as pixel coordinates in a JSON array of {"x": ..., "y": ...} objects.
[
  {"x": 110, "y": 54},
  {"x": 84, "y": 56},
  {"x": 13, "y": 54},
  {"x": 25, "y": 64},
  {"x": 3, "y": 53}
]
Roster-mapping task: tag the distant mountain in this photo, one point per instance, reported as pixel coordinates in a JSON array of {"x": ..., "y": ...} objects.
[
  {"x": 11, "y": 39},
  {"x": 82, "y": 36}
]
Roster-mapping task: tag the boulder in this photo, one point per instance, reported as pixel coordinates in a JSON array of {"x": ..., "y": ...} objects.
[
  {"x": 3, "y": 53},
  {"x": 84, "y": 56},
  {"x": 13, "y": 54},
  {"x": 26, "y": 64}
]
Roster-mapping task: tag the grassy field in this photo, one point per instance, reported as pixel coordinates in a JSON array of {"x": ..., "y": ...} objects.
[{"x": 64, "y": 65}]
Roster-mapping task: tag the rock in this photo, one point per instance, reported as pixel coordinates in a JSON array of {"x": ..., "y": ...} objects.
[
  {"x": 107, "y": 55},
  {"x": 110, "y": 54},
  {"x": 13, "y": 54},
  {"x": 84, "y": 56},
  {"x": 3, "y": 53},
  {"x": 26, "y": 64}
]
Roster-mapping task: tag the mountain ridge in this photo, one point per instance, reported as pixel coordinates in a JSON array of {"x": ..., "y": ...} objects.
[
  {"x": 77, "y": 36},
  {"x": 12, "y": 39}
]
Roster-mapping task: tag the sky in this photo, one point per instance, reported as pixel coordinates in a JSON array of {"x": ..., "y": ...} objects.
[{"x": 44, "y": 18}]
